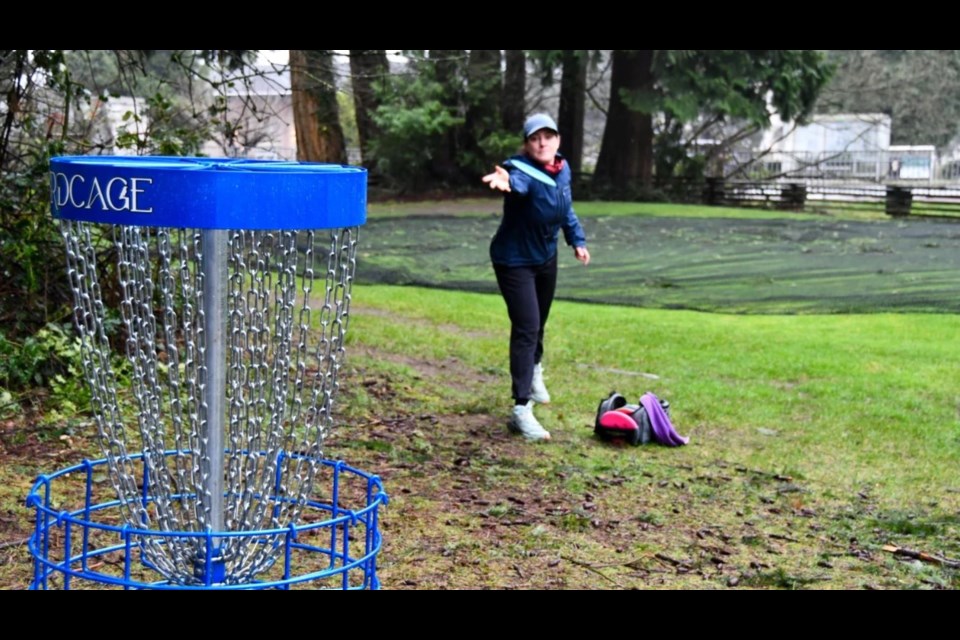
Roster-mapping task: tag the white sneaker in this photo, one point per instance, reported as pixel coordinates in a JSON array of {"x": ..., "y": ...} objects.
[
  {"x": 522, "y": 421},
  {"x": 538, "y": 390}
]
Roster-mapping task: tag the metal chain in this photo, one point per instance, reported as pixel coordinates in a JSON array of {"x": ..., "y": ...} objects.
[{"x": 282, "y": 343}]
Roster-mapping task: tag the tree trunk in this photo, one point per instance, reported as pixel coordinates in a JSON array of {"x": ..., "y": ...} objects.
[
  {"x": 449, "y": 71},
  {"x": 573, "y": 97},
  {"x": 484, "y": 89},
  {"x": 315, "y": 113},
  {"x": 368, "y": 67},
  {"x": 626, "y": 153},
  {"x": 514, "y": 90}
]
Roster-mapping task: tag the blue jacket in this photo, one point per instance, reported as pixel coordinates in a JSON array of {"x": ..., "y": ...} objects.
[{"x": 534, "y": 211}]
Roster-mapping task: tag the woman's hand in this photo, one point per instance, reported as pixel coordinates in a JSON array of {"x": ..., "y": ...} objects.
[
  {"x": 582, "y": 254},
  {"x": 499, "y": 179}
]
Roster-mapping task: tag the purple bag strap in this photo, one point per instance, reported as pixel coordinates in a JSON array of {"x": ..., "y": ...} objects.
[{"x": 663, "y": 431}]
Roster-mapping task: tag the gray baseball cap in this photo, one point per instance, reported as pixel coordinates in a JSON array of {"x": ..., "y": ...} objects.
[{"x": 536, "y": 122}]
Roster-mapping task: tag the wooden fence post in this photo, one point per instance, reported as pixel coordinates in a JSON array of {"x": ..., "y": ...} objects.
[
  {"x": 793, "y": 197},
  {"x": 899, "y": 201},
  {"x": 713, "y": 192}
]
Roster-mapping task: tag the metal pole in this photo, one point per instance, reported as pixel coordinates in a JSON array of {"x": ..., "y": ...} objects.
[{"x": 215, "y": 276}]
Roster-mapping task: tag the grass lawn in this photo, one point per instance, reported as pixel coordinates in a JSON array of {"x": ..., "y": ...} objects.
[{"x": 816, "y": 441}]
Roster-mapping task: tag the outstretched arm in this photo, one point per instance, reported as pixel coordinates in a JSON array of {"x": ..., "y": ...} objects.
[{"x": 499, "y": 179}]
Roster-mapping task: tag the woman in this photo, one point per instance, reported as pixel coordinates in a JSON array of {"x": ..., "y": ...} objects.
[{"x": 537, "y": 204}]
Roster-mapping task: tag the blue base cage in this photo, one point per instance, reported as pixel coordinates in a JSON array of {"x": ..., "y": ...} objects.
[{"x": 80, "y": 543}]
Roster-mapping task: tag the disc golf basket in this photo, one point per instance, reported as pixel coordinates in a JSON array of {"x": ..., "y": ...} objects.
[{"x": 226, "y": 285}]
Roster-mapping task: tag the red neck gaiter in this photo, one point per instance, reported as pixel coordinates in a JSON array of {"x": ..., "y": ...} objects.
[{"x": 554, "y": 167}]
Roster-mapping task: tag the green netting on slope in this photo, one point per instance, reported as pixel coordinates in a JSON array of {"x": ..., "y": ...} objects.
[{"x": 715, "y": 264}]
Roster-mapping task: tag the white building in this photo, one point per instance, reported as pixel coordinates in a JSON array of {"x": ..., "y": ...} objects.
[
  {"x": 827, "y": 134},
  {"x": 258, "y": 122},
  {"x": 843, "y": 147}
]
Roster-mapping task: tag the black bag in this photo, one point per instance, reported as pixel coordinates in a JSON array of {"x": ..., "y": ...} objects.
[{"x": 616, "y": 419}]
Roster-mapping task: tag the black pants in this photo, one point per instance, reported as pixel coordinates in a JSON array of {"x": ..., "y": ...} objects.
[{"x": 528, "y": 292}]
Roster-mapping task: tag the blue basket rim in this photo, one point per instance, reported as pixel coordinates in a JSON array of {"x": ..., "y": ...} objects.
[{"x": 207, "y": 193}]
